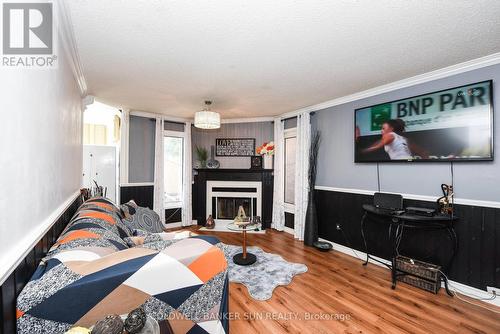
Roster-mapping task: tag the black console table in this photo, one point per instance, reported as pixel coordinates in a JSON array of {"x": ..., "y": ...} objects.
[{"x": 398, "y": 222}]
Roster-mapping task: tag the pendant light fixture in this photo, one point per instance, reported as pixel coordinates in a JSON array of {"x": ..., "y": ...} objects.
[{"x": 207, "y": 119}]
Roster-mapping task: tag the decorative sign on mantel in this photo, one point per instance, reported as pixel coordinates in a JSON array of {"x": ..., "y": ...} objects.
[{"x": 235, "y": 147}]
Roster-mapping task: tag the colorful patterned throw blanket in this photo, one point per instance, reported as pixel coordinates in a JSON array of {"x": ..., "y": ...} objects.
[{"x": 90, "y": 273}]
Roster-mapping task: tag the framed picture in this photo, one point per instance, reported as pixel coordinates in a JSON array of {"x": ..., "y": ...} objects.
[
  {"x": 256, "y": 162},
  {"x": 235, "y": 147}
]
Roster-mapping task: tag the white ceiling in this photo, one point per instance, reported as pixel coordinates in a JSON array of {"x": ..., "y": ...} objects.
[{"x": 264, "y": 58}]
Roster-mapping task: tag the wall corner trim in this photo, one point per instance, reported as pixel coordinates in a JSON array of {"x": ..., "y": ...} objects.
[
  {"x": 460, "y": 201},
  {"x": 463, "y": 67},
  {"x": 13, "y": 257}
]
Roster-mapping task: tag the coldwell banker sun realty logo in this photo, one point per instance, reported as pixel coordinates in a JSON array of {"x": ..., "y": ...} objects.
[{"x": 28, "y": 35}]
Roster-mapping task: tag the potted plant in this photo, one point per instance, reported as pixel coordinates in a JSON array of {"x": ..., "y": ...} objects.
[
  {"x": 202, "y": 155},
  {"x": 266, "y": 150}
]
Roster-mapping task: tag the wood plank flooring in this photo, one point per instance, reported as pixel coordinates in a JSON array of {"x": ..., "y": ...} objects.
[{"x": 339, "y": 295}]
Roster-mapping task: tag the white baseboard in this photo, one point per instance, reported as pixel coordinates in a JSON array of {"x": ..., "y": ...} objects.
[
  {"x": 466, "y": 289},
  {"x": 11, "y": 259}
]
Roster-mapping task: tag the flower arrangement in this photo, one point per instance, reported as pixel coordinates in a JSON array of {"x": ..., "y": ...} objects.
[{"x": 266, "y": 149}]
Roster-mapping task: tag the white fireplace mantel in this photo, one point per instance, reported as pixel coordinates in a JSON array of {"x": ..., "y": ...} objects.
[{"x": 257, "y": 194}]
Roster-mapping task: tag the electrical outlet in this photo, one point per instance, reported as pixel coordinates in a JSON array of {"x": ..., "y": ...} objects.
[
  {"x": 338, "y": 227},
  {"x": 493, "y": 291}
]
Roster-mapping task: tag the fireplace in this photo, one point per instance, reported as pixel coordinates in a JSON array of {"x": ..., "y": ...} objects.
[
  {"x": 253, "y": 185},
  {"x": 225, "y": 197}
]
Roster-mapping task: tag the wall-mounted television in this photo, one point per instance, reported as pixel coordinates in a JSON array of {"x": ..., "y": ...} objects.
[{"x": 455, "y": 124}]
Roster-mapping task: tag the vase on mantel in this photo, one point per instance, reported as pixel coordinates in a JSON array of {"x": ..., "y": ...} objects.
[{"x": 267, "y": 161}]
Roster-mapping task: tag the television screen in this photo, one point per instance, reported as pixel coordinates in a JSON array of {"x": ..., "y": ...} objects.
[{"x": 451, "y": 125}]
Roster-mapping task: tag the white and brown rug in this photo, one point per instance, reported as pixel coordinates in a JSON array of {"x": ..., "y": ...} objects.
[{"x": 262, "y": 277}]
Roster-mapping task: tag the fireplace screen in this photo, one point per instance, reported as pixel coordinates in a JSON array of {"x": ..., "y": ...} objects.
[{"x": 227, "y": 207}]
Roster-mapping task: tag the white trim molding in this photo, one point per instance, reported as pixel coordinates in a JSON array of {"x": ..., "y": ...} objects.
[
  {"x": 211, "y": 193},
  {"x": 461, "y": 201},
  {"x": 167, "y": 118},
  {"x": 11, "y": 259},
  {"x": 362, "y": 255},
  {"x": 65, "y": 30},
  {"x": 137, "y": 184},
  {"x": 467, "y": 66},
  {"x": 246, "y": 120}
]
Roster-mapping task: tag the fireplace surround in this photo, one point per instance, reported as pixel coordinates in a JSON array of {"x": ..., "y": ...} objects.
[
  {"x": 232, "y": 187},
  {"x": 225, "y": 197}
]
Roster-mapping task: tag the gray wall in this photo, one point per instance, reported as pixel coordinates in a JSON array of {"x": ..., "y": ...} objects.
[
  {"x": 261, "y": 131},
  {"x": 473, "y": 180},
  {"x": 141, "y": 157}
]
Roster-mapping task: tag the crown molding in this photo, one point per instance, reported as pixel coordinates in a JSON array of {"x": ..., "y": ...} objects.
[
  {"x": 68, "y": 41},
  {"x": 247, "y": 120},
  {"x": 467, "y": 66}
]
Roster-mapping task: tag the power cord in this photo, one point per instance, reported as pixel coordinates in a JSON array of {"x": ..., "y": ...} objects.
[
  {"x": 339, "y": 227},
  {"x": 457, "y": 292}
]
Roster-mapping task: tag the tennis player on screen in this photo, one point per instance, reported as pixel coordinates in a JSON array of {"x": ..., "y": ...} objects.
[{"x": 393, "y": 141}]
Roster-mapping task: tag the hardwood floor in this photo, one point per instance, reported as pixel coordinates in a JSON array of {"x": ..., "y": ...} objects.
[{"x": 339, "y": 295}]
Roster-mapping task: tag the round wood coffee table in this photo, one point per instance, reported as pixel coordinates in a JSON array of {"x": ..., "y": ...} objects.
[{"x": 244, "y": 258}]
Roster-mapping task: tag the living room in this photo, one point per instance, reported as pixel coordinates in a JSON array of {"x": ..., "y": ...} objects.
[{"x": 250, "y": 167}]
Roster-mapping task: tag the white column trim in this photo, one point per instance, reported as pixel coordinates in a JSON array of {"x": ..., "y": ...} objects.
[{"x": 124, "y": 146}]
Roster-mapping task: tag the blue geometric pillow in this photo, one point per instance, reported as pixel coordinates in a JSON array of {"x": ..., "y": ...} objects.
[{"x": 144, "y": 219}]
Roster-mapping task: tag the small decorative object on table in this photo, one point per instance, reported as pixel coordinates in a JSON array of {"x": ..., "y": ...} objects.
[
  {"x": 445, "y": 202},
  {"x": 112, "y": 324},
  {"x": 212, "y": 163},
  {"x": 257, "y": 221},
  {"x": 210, "y": 223},
  {"x": 135, "y": 321},
  {"x": 241, "y": 218},
  {"x": 267, "y": 152}
]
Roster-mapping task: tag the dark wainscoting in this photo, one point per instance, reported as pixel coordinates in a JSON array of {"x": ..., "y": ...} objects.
[
  {"x": 142, "y": 195},
  {"x": 477, "y": 262},
  {"x": 11, "y": 288},
  {"x": 204, "y": 175}
]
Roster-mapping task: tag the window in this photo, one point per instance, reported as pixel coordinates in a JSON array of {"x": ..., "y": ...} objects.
[
  {"x": 290, "y": 149},
  {"x": 101, "y": 125},
  {"x": 173, "y": 147}
]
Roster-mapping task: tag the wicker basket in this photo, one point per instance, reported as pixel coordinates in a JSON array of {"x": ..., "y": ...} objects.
[{"x": 423, "y": 275}]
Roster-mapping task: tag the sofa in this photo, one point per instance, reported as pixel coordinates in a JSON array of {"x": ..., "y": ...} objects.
[{"x": 101, "y": 266}]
